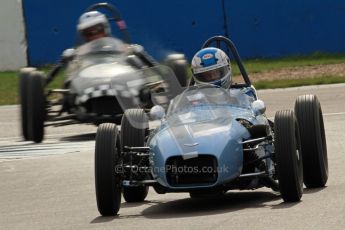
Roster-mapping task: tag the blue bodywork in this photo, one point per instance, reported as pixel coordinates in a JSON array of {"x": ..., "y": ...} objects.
[{"x": 203, "y": 121}]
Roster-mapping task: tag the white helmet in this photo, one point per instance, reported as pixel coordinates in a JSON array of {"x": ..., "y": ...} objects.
[
  {"x": 211, "y": 66},
  {"x": 93, "y": 22}
]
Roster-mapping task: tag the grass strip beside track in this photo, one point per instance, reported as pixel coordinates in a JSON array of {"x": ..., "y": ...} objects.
[{"x": 9, "y": 80}]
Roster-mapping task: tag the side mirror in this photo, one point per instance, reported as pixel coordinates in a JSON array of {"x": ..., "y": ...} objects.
[
  {"x": 259, "y": 107},
  {"x": 157, "y": 112},
  {"x": 68, "y": 54}
]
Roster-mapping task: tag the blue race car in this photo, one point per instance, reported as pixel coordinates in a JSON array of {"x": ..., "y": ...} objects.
[{"x": 208, "y": 141}]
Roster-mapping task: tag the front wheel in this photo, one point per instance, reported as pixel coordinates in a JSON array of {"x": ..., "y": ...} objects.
[
  {"x": 36, "y": 106},
  {"x": 24, "y": 75},
  {"x": 107, "y": 181},
  {"x": 313, "y": 139},
  {"x": 134, "y": 127},
  {"x": 288, "y": 156}
]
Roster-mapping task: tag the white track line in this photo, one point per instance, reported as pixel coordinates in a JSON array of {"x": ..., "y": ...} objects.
[
  {"x": 334, "y": 114},
  {"x": 19, "y": 138},
  {"x": 18, "y": 152}
]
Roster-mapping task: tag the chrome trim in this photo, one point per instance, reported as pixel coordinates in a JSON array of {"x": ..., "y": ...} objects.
[
  {"x": 254, "y": 140},
  {"x": 253, "y": 174},
  {"x": 191, "y": 145},
  {"x": 251, "y": 149}
]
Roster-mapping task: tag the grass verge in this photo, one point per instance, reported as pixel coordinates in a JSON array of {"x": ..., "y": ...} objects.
[
  {"x": 285, "y": 83},
  {"x": 9, "y": 80},
  {"x": 266, "y": 64},
  {"x": 8, "y": 88}
]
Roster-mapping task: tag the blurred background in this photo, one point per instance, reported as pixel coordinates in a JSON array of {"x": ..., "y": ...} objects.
[{"x": 35, "y": 32}]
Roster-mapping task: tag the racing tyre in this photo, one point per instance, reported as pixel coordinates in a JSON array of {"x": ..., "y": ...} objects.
[
  {"x": 288, "y": 156},
  {"x": 36, "y": 106},
  {"x": 24, "y": 75},
  {"x": 134, "y": 127},
  {"x": 179, "y": 65},
  {"x": 313, "y": 141},
  {"x": 107, "y": 181}
]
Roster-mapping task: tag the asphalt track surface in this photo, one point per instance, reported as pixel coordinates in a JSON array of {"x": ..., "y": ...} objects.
[{"x": 51, "y": 185}]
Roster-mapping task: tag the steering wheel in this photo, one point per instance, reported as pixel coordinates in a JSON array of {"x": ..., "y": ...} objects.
[
  {"x": 218, "y": 40},
  {"x": 116, "y": 17}
]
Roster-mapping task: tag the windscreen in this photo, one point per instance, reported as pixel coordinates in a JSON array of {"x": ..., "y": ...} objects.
[
  {"x": 103, "y": 45},
  {"x": 205, "y": 104},
  {"x": 207, "y": 96}
]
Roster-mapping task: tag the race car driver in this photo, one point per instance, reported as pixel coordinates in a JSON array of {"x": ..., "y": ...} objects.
[
  {"x": 212, "y": 66},
  {"x": 93, "y": 25}
]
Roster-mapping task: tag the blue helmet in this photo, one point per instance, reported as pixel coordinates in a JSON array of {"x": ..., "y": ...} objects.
[{"x": 211, "y": 66}]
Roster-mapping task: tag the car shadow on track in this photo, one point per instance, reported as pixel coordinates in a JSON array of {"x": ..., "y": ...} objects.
[
  {"x": 230, "y": 202},
  {"x": 103, "y": 219},
  {"x": 187, "y": 207},
  {"x": 313, "y": 190},
  {"x": 79, "y": 137}
]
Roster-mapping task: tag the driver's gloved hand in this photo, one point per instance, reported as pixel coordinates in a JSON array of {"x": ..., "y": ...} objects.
[{"x": 67, "y": 55}]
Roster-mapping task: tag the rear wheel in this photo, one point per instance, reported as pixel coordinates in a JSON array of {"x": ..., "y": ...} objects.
[
  {"x": 24, "y": 75},
  {"x": 134, "y": 126},
  {"x": 107, "y": 181},
  {"x": 314, "y": 149},
  {"x": 36, "y": 112},
  {"x": 288, "y": 156},
  {"x": 179, "y": 65}
]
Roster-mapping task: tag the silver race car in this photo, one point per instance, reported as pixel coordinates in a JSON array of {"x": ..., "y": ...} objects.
[{"x": 99, "y": 78}]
